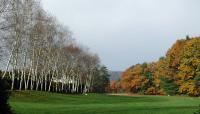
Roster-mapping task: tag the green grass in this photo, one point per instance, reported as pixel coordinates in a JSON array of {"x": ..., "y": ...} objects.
[{"x": 52, "y": 103}]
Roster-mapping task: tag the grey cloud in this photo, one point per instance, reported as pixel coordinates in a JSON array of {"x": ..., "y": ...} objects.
[{"x": 125, "y": 32}]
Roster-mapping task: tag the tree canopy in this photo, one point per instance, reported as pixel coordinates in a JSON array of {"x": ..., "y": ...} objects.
[
  {"x": 38, "y": 53},
  {"x": 176, "y": 73}
]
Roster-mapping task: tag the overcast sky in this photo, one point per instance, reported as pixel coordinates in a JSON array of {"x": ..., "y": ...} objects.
[{"x": 126, "y": 32}]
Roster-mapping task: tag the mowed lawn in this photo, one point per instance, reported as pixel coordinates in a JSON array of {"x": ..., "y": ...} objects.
[{"x": 32, "y": 102}]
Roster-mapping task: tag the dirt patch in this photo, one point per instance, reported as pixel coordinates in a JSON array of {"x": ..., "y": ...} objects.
[{"x": 124, "y": 94}]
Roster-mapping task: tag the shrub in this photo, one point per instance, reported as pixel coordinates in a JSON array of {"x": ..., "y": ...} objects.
[{"x": 4, "y": 96}]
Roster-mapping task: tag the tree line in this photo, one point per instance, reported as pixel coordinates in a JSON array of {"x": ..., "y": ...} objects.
[
  {"x": 38, "y": 53},
  {"x": 176, "y": 73}
]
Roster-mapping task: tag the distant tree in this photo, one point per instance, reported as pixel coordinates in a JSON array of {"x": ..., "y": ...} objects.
[
  {"x": 101, "y": 80},
  {"x": 4, "y": 96},
  {"x": 187, "y": 37},
  {"x": 169, "y": 86},
  {"x": 133, "y": 79},
  {"x": 113, "y": 87}
]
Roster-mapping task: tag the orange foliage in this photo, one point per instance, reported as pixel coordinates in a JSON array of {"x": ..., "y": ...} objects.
[
  {"x": 114, "y": 86},
  {"x": 181, "y": 64}
]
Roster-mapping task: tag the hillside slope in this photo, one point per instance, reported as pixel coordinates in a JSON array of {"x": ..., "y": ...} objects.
[{"x": 115, "y": 75}]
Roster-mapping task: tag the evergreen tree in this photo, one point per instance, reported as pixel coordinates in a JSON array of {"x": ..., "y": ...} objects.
[
  {"x": 169, "y": 86},
  {"x": 101, "y": 80}
]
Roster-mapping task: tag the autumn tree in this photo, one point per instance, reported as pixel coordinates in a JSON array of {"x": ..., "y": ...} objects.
[
  {"x": 176, "y": 73},
  {"x": 132, "y": 80},
  {"x": 189, "y": 69}
]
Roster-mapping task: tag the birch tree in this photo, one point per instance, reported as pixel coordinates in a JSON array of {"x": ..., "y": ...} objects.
[{"x": 42, "y": 54}]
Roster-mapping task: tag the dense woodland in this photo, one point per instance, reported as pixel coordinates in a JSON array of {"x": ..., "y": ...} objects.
[
  {"x": 38, "y": 53},
  {"x": 176, "y": 73}
]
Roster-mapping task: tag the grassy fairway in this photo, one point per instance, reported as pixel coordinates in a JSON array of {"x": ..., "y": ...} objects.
[{"x": 52, "y": 103}]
